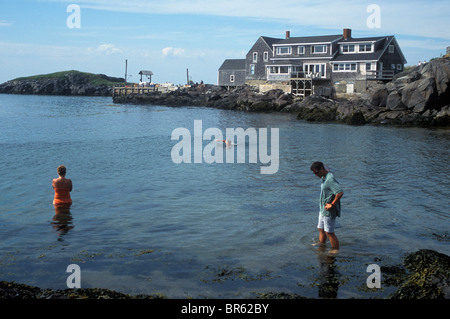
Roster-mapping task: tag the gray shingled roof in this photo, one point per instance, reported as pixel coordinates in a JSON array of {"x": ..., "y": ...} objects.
[
  {"x": 372, "y": 56},
  {"x": 270, "y": 41},
  {"x": 311, "y": 39},
  {"x": 233, "y": 64},
  {"x": 368, "y": 39}
]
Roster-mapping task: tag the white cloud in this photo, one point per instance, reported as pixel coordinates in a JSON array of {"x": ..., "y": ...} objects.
[
  {"x": 170, "y": 51},
  {"x": 406, "y": 17},
  {"x": 107, "y": 49},
  {"x": 4, "y": 23}
]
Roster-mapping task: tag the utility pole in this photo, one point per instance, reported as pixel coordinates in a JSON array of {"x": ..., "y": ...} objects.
[
  {"x": 187, "y": 74},
  {"x": 126, "y": 69}
]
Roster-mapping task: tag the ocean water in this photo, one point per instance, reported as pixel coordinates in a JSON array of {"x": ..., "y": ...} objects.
[{"x": 141, "y": 223}]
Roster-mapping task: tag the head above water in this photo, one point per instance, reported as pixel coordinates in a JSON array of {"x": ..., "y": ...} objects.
[{"x": 61, "y": 170}]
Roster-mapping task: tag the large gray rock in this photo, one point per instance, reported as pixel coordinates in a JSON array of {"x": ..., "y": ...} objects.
[
  {"x": 420, "y": 94},
  {"x": 379, "y": 96},
  {"x": 400, "y": 82},
  {"x": 394, "y": 101}
]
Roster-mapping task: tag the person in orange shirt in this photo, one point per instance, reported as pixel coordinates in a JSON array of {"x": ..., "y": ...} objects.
[{"x": 62, "y": 187}]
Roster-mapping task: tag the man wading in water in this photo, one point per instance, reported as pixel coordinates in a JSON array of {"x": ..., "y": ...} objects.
[{"x": 330, "y": 206}]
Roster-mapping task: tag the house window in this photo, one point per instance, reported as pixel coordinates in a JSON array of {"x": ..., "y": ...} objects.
[
  {"x": 232, "y": 78},
  {"x": 318, "y": 69},
  {"x": 365, "y": 47},
  {"x": 391, "y": 49},
  {"x": 320, "y": 49},
  {"x": 344, "y": 67},
  {"x": 252, "y": 69},
  {"x": 368, "y": 66},
  {"x": 279, "y": 70},
  {"x": 348, "y": 48},
  {"x": 284, "y": 70},
  {"x": 266, "y": 56},
  {"x": 392, "y": 66},
  {"x": 301, "y": 50},
  {"x": 399, "y": 67},
  {"x": 255, "y": 57},
  {"x": 284, "y": 50}
]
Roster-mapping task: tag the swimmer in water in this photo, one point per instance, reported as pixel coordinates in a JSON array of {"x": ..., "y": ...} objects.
[
  {"x": 227, "y": 143},
  {"x": 62, "y": 187}
]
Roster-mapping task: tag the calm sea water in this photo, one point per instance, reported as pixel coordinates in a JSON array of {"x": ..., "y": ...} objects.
[{"x": 140, "y": 223}]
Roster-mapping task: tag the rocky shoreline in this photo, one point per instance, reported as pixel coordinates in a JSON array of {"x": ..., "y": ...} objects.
[
  {"x": 425, "y": 274},
  {"x": 73, "y": 82},
  {"x": 419, "y": 97}
]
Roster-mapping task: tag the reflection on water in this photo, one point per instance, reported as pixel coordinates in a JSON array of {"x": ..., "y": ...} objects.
[
  {"x": 328, "y": 276},
  {"x": 62, "y": 221}
]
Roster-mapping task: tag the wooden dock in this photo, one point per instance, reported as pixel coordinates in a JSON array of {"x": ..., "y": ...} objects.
[{"x": 133, "y": 89}]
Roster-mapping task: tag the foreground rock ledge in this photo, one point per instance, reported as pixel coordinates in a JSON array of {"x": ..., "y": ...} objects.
[{"x": 424, "y": 275}]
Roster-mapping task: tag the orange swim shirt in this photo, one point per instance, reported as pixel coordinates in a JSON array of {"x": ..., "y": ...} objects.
[{"x": 62, "y": 197}]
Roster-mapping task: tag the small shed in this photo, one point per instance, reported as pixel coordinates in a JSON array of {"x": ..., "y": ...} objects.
[
  {"x": 232, "y": 73},
  {"x": 148, "y": 74}
]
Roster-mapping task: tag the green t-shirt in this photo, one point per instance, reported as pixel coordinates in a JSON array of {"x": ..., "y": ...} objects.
[{"x": 328, "y": 189}]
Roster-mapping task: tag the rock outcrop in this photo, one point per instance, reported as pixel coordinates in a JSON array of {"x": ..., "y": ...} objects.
[
  {"x": 428, "y": 278},
  {"x": 62, "y": 83},
  {"x": 419, "y": 97}
]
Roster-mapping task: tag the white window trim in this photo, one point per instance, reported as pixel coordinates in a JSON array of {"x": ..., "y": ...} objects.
[
  {"x": 391, "y": 48},
  {"x": 266, "y": 56},
  {"x": 231, "y": 78},
  {"x": 356, "y": 48},
  {"x": 343, "y": 69},
  {"x": 278, "y": 68},
  {"x": 314, "y": 66},
  {"x": 252, "y": 69},
  {"x": 365, "y": 51},
  {"x": 255, "y": 57},
  {"x": 320, "y": 45},
  {"x": 301, "y": 50},
  {"x": 348, "y": 45},
  {"x": 399, "y": 67},
  {"x": 281, "y": 47}
]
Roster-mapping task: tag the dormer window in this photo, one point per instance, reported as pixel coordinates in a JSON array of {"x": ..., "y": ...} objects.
[
  {"x": 301, "y": 50},
  {"x": 348, "y": 48},
  {"x": 320, "y": 49},
  {"x": 365, "y": 47},
  {"x": 284, "y": 50}
]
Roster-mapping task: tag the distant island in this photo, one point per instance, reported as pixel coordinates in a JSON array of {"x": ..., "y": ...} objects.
[{"x": 63, "y": 83}]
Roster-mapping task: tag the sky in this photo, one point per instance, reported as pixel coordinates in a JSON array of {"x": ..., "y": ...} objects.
[{"x": 170, "y": 37}]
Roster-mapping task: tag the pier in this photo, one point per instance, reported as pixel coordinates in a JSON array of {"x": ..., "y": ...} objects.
[{"x": 122, "y": 90}]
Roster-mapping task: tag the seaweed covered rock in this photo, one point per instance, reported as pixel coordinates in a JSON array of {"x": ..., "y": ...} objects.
[
  {"x": 429, "y": 276},
  {"x": 317, "y": 109},
  {"x": 12, "y": 290}
]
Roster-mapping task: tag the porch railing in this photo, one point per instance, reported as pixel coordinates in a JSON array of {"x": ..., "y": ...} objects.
[
  {"x": 308, "y": 75},
  {"x": 380, "y": 75}
]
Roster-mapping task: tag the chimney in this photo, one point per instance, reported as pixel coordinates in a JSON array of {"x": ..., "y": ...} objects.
[
  {"x": 347, "y": 34},
  {"x": 288, "y": 34}
]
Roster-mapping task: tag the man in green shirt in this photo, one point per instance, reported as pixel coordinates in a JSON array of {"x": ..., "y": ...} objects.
[{"x": 330, "y": 205}]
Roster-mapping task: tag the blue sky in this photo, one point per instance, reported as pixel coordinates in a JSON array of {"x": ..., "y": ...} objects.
[{"x": 170, "y": 36}]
